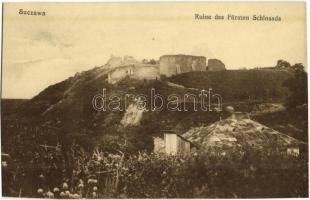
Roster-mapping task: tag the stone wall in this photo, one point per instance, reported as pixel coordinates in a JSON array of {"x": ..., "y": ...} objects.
[
  {"x": 176, "y": 64},
  {"x": 147, "y": 72},
  {"x": 169, "y": 65},
  {"x": 136, "y": 71},
  {"x": 215, "y": 65},
  {"x": 119, "y": 73},
  {"x": 115, "y": 61}
]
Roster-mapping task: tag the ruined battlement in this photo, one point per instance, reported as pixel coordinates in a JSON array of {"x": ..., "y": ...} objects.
[
  {"x": 176, "y": 64},
  {"x": 136, "y": 71},
  {"x": 169, "y": 65},
  {"x": 116, "y": 61},
  {"x": 215, "y": 65}
]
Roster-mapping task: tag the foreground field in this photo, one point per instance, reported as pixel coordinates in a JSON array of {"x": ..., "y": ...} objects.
[{"x": 30, "y": 168}]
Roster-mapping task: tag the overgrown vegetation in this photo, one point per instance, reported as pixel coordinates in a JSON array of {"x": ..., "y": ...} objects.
[
  {"x": 101, "y": 175},
  {"x": 292, "y": 122},
  {"x": 239, "y": 85},
  {"x": 298, "y": 87},
  {"x": 62, "y": 116}
]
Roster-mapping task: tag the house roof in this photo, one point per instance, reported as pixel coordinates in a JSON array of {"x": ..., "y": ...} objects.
[
  {"x": 234, "y": 132},
  {"x": 180, "y": 136}
]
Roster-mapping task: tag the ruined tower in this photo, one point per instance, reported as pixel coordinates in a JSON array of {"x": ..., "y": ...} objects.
[{"x": 170, "y": 65}]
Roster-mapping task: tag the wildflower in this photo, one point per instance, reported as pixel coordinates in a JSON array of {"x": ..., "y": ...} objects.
[
  {"x": 94, "y": 194},
  {"x": 41, "y": 176},
  {"x": 50, "y": 194},
  {"x": 56, "y": 189},
  {"x": 62, "y": 194},
  {"x": 40, "y": 191},
  {"x": 67, "y": 193},
  {"x": 81, "y": 185},
  {"x": 125, "y": 168},
  {"x": 65, "y": 186}
]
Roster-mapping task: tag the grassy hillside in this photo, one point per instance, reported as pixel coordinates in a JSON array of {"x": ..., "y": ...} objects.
[
  {"x": 293, "y": 122},
  {"x": 68, "y": 105},
  {"x": 9, "y": 106},
  {"x": 234, "y": 85}
]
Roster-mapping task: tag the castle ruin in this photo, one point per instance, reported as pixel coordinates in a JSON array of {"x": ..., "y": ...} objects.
[
  {"x": 115, "y": 61},
  {"x": 215, "y": 65},
  {"x": 135, "y": 71},
  {"x": 170, "y": 65}
]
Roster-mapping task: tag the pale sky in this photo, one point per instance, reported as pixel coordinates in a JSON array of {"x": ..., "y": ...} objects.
[{"x": 42, "y": 50}]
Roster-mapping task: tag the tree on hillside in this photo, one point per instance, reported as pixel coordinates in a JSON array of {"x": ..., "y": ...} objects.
[
  {"x": 298, "y": 87},
  {"x": 283, "y": 64},
  {"x": 151, "y": 61}
]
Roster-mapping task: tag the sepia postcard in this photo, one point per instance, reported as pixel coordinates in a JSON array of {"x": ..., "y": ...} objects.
[{"x": 154, "y": 100}]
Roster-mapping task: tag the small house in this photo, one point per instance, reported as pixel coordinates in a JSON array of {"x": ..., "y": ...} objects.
[{"x": 172, "y": 144}]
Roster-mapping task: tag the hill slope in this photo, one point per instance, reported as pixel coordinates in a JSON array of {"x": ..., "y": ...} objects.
[
  {"x": 234, "y": 85},
  {"x": 68, "y": 105}
]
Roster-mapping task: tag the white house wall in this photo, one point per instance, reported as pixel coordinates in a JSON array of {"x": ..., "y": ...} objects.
[{"x": 171, "y": 143}]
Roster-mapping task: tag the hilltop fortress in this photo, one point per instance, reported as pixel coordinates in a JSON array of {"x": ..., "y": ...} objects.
[
  {"x": 176, "y": 64},
  {"x": 168, "y": 65}
]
